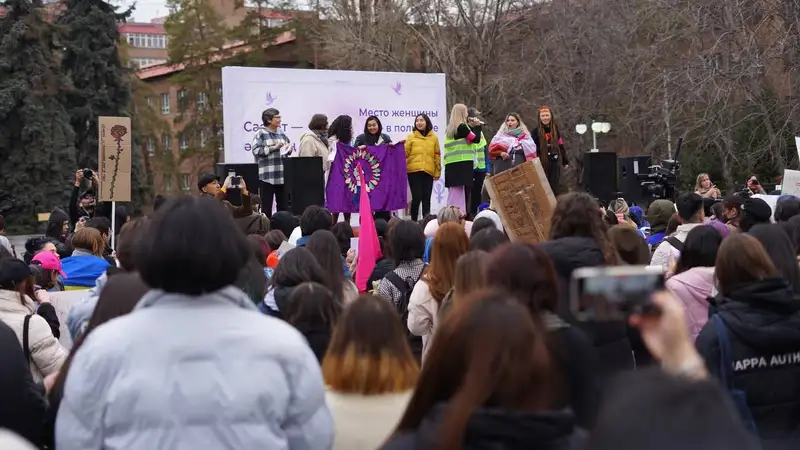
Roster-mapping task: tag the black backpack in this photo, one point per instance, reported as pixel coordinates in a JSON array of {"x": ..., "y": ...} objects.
[{"x": 406, "y": 287}]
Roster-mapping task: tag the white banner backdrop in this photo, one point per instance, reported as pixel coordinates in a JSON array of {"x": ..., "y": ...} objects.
[{"x": 395, "y": 98}]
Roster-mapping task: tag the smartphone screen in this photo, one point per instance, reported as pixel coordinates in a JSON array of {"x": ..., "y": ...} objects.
[{"x": 613, "y": 293}]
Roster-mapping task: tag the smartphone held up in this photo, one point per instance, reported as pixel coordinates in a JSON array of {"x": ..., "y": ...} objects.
[{"x": 599, "y": 294}]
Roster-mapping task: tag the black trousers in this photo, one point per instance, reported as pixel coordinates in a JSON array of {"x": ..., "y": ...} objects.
[
  {"x": 267, "y": 191},
  {"x": 385, "y": 215},
  {"x": 474, "y": 195},
  {"x": 421, "y": 185}
]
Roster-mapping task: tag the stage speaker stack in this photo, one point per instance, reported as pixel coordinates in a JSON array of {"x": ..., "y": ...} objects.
[
  {"x": 248, "y": 172},
  {"x": 599, "y": 176},
  {"x": 628, "y": 170},
  {"x": 304, "y": 183}
]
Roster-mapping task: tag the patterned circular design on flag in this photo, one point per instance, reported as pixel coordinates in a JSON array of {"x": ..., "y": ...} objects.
[{"x": 351, "y": 173}]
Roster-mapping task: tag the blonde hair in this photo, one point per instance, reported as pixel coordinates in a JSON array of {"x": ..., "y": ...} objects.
[
  {"x": 449, "y": 214},
  {"x": 697, "y": 186},
  {"x": 458, "y": 115}
]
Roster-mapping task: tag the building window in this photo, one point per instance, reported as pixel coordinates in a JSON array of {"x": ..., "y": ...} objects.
[
  {"x": 139, "y": 63},
  {"x": 183, "y": 143},
  {"x": 220, "y": 140},
  {"x": 147, "y": 40},
  {"x": 186, "y": 181},
  {"x": 167, "y": 179},
  {"x": 181, "y": 99},
  {"x": 151, "y": 147},
  {"x": 166, "y": 142},
  {"x": 149, "y": 101},
  {"x": 202, "y": 138},
  {"x": 219, "y": 92},
  {"x": 273, "y": 23},
  {"x": 202, "y": 98},
  {"x": 165, "y": 103}
]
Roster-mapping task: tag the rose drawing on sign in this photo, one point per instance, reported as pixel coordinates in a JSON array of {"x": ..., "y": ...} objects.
[{"x": 117, "y": 132}]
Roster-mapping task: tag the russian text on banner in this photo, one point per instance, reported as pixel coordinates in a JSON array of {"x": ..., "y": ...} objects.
[{"x": 384, "y": 168}]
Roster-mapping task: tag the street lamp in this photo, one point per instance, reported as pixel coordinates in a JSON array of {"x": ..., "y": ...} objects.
[{"x": 597, "y": 127}]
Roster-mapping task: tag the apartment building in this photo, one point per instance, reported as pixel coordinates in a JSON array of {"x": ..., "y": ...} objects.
[{"x": 147, "y": 42}]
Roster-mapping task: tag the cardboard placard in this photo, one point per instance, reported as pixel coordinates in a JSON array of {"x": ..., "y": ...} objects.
[
  {"x": 114, "y": 158},
  {"x": 790, "y": 184},
  {"x": 522, "y": 197}
]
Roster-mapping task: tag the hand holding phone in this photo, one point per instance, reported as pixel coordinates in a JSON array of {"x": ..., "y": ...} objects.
[{"x": 614, "y": 293}]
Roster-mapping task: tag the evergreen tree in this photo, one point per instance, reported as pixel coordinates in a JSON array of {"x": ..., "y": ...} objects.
[
  {"x": 198, "y": 38},
  {"x": 37, "y": 150},
  {"x": 92, "y": 61}
]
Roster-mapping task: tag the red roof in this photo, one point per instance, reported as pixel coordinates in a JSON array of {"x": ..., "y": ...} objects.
[
  {"x": 161, "y": 70},
  {"x": 143, "y": 28}
]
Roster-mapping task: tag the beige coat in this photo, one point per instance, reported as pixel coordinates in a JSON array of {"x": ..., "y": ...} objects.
[
  {"x": 310, "y": 145},
  {"x": 47, "y": 354},
  {"x": 423, "y": 315}
]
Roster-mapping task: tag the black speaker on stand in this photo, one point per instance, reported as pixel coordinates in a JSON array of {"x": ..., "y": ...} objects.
[
  {"x": 628, "y": 170},
  {"x": 304, "y": 183},
  {"x": 600, "y": 175}
]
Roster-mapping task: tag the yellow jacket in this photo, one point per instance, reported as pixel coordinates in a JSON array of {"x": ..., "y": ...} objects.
[{"x": 423, "y": 154}]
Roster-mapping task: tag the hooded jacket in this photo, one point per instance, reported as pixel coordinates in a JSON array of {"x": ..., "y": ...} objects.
[
  {"x": 493, "y": 429},
  {"x": 658, "y": 215},
  {"x": 54, "y": 227},
  {"x": 763, "y": 325},
  {"x": 423, "y": 153},
  {"x": 693, "y": 288},
  {"x": 609, "y": 338}
]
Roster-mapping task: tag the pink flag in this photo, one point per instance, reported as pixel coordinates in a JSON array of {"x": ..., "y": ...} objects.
[{"x": 369, "y": 249}]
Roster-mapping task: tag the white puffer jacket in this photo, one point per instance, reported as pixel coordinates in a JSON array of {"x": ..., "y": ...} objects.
[{"x": 47, "y": 354}]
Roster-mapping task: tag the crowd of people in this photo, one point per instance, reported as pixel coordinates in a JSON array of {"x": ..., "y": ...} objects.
[
  {"x": 212, "y": 325},
  {"x": 468, "y": 156}
]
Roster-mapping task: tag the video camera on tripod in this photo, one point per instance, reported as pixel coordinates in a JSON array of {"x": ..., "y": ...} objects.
[{"x": 660, "y": 182}]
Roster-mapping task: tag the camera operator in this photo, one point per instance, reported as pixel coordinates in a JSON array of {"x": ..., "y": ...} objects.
[
  {"x": 208, "y": 184},
  {"x": 754, "y": 186},
  {"x": 85, "y": 204}
]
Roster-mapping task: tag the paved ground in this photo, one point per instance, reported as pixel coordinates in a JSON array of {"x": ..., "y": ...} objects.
[{"x": 19, "y": 243}]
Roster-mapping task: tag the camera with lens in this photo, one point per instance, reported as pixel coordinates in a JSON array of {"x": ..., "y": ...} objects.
[
  {"x": 660, "y": 182},
  {"x": 87, "y": 173}
]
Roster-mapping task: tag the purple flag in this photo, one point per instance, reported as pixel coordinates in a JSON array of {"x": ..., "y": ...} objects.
[{"x": 384, "y": 168}]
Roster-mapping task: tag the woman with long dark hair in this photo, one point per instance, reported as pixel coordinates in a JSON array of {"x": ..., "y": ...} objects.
[
  {"x": 314, "y": 310},
  {"x": 373, "y": 135},
  {"x": 578, "y": 238},
  {"x": 550, "y": 145},
  {"x": 508, "y": 267},
  {"x": 340, "y": 130},
  {"x": 779, "y": 248},
  {"x": 324, "y": 246},
  {"x": 488, "y": 383},
  {"x": 297, "y": 266},
  {"x": 423, "y": 163},
  {"x": 512, "y": 142}
]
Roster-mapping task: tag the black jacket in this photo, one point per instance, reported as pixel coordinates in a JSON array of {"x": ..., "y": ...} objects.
[
  {"x": 22, "y": 403},
  {"x": 609, "y": 338},
  {"x": 490, "y": 429},
  {"x": 762, "y": 320},
  {"x": 576, "y": 360}
]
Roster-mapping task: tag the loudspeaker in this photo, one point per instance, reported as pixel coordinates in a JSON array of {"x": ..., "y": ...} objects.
[
  {"x": 248, "y": 172},
  {"x": 600, "y": 175},
  {"x": 304, "y": 182},
  {"x": 628, "y": 169}
]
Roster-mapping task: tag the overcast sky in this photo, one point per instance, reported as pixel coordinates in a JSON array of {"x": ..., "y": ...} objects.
[{"x": 145, "y": 9}]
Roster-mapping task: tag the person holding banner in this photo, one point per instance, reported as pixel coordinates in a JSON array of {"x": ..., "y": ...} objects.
[
  {"x": 373, "y": 135},
  {"x": 462, "y": 135},
  {"x": 268, "y": 148},
  {"x": 423, "y": 164},
  {"x": 341, "y": 130},
  {"x": 513, "y": 142}
]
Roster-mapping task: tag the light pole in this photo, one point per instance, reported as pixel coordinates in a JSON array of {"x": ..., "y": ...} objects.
[{"x": 597, "y": 127}]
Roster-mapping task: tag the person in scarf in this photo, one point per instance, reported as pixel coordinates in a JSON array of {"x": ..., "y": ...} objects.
[
  {"x": 461, "y": 135},
  {"x": 341, "y": 130},
  {"x": 551, "y": 148},
  {"x": 315, "y": 142},
  {"x": 374, "y": 135},
  {"x": 513, "y": 142},
  {"x": 705, "y": 188}
]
